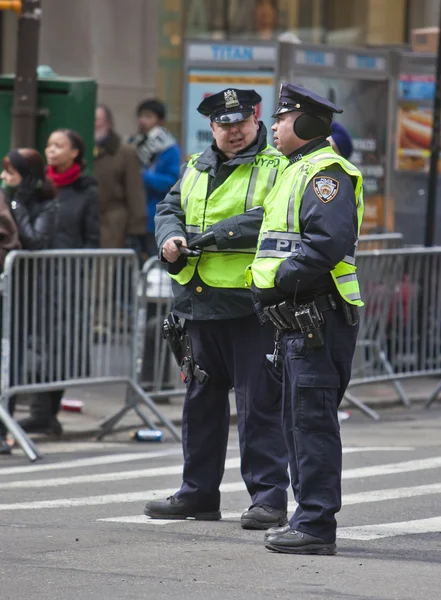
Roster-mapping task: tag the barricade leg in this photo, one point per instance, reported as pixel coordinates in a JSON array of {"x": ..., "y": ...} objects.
[
  {"x": 144, "y": 397},
  {"x": 362, "y": 406},
  {"x": 132, "y": 403},
  {"x": 397, "y": 385},
  {"x": 433, "y": 397},
  {"x": 27, "y": 445}
]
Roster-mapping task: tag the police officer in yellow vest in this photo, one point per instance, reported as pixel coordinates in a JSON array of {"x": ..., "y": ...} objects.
[
  {"x": 217, "y": 206},
  {"x": 305, "y": 282}
]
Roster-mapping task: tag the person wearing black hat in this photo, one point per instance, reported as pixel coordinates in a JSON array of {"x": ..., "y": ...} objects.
[
  {"x": 216, "y": 208},
  {"x": 304, "y": 281}
]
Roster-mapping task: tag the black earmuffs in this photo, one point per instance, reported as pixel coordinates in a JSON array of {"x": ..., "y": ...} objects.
[{"x": 308, "y": 127}]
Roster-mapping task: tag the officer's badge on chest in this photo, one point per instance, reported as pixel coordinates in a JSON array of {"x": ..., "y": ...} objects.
[{"x": 326, "y": 188}]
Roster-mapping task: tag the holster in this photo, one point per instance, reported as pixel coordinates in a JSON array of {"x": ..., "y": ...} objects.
[{"x": 180, "y": 346}]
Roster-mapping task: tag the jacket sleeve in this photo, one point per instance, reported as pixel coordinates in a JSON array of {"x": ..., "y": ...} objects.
[
  {"x": 134, "y": 192},
  {"x": 170, "y": 218},
  {"x": 8, "y": 231},
  {"x": 328, "y": 233},
  {"x": 35, "y": 233},
  {"x": 91, "y": 220},
  {"x": 241, "y": 231},
  {"x": 164, "y": 172}
]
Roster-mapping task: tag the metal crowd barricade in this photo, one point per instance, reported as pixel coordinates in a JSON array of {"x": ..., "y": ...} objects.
[
  {"x": 156, "y": 367},
  {"x": 380, "y": 241},
  {"x": 400, "y": 324},
  {"x": 69, "y": 319}
]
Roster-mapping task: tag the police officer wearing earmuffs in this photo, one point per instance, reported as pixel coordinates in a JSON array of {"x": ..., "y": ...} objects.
[{"x": 304, "y": 280}]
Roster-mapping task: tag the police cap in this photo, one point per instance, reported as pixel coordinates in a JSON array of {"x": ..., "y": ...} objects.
[
  {"x": 296, "y": 97},
  {"x": 230, "y": 105}
]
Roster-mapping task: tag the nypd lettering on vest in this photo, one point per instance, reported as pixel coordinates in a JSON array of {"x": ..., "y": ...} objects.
[{"x": 325, "y": 188}]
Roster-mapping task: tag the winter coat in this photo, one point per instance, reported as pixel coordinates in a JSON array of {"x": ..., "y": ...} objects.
[
  {"x": 121, "y": 194},
  {"x": 78, "y": 218},
  {"x": 9, "y": 239},
  {"x": 35, "y": 218},
  {"x": 161, "y": 159}
]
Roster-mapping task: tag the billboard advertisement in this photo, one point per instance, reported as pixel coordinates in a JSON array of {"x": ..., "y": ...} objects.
[{"x": 416, "y": 93}]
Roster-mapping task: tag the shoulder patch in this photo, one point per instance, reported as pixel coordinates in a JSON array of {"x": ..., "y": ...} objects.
[{"x": 325, "y": 188}]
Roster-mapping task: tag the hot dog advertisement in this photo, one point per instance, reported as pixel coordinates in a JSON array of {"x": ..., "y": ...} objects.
[{"x": 414, "y": 123}]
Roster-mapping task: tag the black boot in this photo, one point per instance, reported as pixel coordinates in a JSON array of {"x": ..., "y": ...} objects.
[
  {"x": 44, "y": 408},
  {"x": 263, "y": 516},
  {"x": 173, "y": 508}
]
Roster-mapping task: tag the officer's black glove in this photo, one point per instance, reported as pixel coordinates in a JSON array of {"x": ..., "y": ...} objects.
[
  {"x": 203, "y": 239},
  {"x": 186, "y": 251}
]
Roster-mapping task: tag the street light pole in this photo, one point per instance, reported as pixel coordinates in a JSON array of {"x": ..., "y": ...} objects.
[
  {"x": 435, "y": 148},
  {"x": 24, "y": 110}
]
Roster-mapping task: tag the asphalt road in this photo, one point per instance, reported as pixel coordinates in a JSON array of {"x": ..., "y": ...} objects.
[{"x": 72, "y": 525}]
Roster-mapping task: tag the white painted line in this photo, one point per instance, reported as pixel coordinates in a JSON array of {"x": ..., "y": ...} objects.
[
  {"x": 393, "y": 468},
  {"x": 384, "y": 530},
  {"x": 353, "y": 449},
  {"x": 143, "y": 520},
  {"x": 120, "y": 458},
  {"x": 90, "y": 462},
  {"x": 109, "y": 498},
  {"x": 391, "y": 494},
  {"x": 349, "y": 499},
  {"x": 230, "y": 463},
  {"x": 383, "y": 495}
]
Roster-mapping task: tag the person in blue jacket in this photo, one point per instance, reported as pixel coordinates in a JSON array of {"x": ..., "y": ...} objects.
[{"x": 160, "y": 156}]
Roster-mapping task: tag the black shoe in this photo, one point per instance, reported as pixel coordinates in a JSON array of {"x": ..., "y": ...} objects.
[
  {"x": 289, "y": 541},
  {"x": 50, "y": 425},
  {"x": 5, "y": 448},
  {"x": 173, "y": 508},
  {"x": 263, "y": 516}
]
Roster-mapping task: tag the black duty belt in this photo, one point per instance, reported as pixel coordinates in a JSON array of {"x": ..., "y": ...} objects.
[{"x": 288, "y": 315}]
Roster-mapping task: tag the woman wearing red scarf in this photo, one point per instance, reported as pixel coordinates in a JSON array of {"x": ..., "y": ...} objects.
[{"x": 77, "y": 227}]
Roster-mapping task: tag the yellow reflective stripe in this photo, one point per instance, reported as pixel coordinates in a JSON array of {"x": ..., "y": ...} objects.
[
  {"x": 350, "y": 260},
  {"x": 354, "y": 296},
  {"x": 185, "y": 203},
  {"x": 271, "y": 180},
  {"x": 235, "y": 251},
  {"x": 347, "y": 278},
  {"x": 274, "y": 254},
  {"x": 251, "y": 188},
  {"x": 281, "y": 235},
  {"x": 193, "y": 228}
]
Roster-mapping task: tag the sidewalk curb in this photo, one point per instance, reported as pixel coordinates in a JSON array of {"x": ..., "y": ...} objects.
[{"x": 93, "y": 431}]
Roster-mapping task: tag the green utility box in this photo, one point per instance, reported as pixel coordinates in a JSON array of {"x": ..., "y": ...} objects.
[{"x": 63, "y": 102}]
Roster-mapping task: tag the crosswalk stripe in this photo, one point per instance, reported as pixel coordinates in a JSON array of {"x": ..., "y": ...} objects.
[
  {"x": 230, "y": 463},
  {"x": 384, "y": 530},
  {"x": 348, "y": 499},
  {"x": 108, "y": 498},
  {"x": 121, "y": 458},
  {"x": 90, "y": 462},
  {"x": 143, "y": 520},
  {"x": 393, "y": 468}
]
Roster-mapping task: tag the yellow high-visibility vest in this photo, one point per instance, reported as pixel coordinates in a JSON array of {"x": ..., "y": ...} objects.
[
  {"x": 280, "y": 232},
  {"x": 245, "y": 189}
]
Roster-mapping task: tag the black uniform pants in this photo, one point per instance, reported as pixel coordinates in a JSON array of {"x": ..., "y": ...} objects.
[
  {"x": 233, "y": 353},
  {"x": 314, "y": 382}
]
